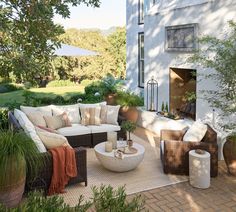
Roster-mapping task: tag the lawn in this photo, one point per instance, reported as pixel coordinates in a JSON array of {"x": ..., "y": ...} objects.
[{"x": 63, "y": 91}]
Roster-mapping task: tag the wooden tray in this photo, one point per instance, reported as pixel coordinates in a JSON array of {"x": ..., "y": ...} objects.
[{"x": 132, "y": 150}]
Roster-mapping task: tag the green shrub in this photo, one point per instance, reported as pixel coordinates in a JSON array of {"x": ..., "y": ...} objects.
[
  {"x": 3, "y": 118},
  {"x": 28, "y": 85},
  {"x": 60, "y": 83},
  {"x": 94, "y": 88},
  {"x": 9, "y": 87},
  {"x": 129, "y": 99},
  {"x": 105, "y": 199}
]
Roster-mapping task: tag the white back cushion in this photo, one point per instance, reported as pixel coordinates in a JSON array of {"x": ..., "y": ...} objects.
[
  {"x": 45, "y": 110},
  {"x": 92, "y": 105},
  {"x": 196, "y": 132},
  {"x": 71, "y": 110},
  {"x": 29, "y": 129}
]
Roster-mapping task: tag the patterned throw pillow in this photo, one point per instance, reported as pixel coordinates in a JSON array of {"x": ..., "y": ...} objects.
[
  {"x": 109, "y": 114},
  {"x": 90, "y": 116},
  {"x": 56, "y": 122}
]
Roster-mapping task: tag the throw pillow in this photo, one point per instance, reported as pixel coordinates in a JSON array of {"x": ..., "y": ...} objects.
[
  {"x": 47, "y": 129},
  {"x": 71, "y": 110},
  {"x": 90, "y": 116},
  {"x": 196, "y": 132},
  {"x": 29, "y": 129},
  {"x": 56, "y": 122},
  {"x": 51, "y": 140},
  {"x": 109, "y": 114},
  {"x": 37, "y": 118}
]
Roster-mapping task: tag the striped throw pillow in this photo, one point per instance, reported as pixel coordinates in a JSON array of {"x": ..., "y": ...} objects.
[{"x": 90, "y": 116}]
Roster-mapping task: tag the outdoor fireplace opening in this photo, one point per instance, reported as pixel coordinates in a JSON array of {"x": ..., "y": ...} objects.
[{"x": 183, "y": 92}]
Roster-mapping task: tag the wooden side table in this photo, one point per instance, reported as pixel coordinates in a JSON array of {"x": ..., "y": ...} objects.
[{"x": 199, "y": 169}]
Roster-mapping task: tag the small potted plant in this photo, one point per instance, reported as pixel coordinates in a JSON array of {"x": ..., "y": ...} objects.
[
  {"x": 18, "y": 155},
  {"x": 129, "y": 127}
]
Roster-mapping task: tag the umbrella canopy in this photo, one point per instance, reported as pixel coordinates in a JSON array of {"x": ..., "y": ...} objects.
[{"x": 73, "y": 51}]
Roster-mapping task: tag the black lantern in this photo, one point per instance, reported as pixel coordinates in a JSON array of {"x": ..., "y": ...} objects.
[{"x": 152, "y": 95}]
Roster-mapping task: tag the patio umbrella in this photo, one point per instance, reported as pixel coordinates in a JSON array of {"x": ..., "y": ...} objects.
[{"x": 73, "y": 51}]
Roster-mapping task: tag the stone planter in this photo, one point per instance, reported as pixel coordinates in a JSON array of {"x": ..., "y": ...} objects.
[
  {"x": 130, "y": 113},
  {"x": 229, "y": 151}
]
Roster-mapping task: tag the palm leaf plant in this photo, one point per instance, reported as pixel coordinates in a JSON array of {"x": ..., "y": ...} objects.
[{"x": 18, "y": 156}]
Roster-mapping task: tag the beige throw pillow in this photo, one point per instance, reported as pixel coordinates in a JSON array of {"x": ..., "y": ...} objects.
[
  {"x": 51, "y": 140},
  {"x": 36, "y": 118},
  {"x": 56, "y": 122},
  {"x": 90, "y": 116},
  {"x": 109, "y": 114}
]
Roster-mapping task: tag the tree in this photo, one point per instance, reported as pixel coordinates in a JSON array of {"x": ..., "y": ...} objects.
[
  {"x": 28, "y": 35},
  {"x": 117, "y": 48},
  {"x": 220, "y": 55}
]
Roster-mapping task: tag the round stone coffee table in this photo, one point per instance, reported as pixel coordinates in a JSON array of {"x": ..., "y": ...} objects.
[{"x": 110, "y": 162}]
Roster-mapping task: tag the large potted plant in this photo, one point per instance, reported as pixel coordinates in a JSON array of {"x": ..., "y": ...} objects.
[
  {"x": 110, "y": 87},
  {"x": 220, "y": 54},
  {"x": 129, "y": 103},
  {"x": 18, "y": 155}
]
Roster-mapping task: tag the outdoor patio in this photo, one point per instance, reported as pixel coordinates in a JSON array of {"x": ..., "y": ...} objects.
[{"x": 221, "y": 195}]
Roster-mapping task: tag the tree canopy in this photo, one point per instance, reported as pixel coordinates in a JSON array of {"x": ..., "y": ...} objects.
[
  {"x": 28, "y": 35},
  {"x": 111, "y": 58}
]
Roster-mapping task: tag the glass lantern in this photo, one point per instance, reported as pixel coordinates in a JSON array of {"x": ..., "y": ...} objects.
[{"x": 152, "y": 95}]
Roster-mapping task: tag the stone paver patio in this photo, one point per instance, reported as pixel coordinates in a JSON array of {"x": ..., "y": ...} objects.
[{"x": 221, "y": 196}]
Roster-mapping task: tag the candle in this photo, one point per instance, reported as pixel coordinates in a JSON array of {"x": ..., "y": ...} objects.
[
  {"x": 108, "y": 146},
  {"x": 112, "y": 137}
]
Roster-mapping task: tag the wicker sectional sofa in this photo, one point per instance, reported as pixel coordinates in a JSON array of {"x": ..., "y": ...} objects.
[{"x": 78, "y": 137}]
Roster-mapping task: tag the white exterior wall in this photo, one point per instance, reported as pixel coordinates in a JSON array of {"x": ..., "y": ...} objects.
[
  {"x": 211, "y": 16},
  {"x": 133, "y": 28}
]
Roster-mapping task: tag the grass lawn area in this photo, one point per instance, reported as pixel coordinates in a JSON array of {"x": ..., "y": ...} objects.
[{"x": 40, "y": 92}]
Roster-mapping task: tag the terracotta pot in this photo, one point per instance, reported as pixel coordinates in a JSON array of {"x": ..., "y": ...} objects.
[
  {"x": 229, "y": 151},
  {"x": 12, "y": 189},
  {"x": 111, "y": 99},
  {"x": 129, "y": 113}
]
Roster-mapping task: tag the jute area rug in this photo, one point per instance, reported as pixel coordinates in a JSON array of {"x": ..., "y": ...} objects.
[{"x": 148, "y": 175}]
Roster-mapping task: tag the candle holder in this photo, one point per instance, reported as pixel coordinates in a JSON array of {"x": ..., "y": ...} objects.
[{"x": 112, "y": 137}]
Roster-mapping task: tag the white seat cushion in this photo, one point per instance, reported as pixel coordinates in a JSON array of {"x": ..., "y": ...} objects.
[
  {"x": 45, "y": 110},
  {"x": 196, "y": 132},
  {"x": 29, "y": 129},
  {"x": 75, "y": 129},
  {"x": 71, "y": 110},
  {"x": 104, "y": 128}
]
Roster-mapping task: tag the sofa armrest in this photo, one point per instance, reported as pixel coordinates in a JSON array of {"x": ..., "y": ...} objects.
[{"x": 176, "y": 135}]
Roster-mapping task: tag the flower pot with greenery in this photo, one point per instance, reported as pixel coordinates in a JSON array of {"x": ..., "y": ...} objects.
[
  {"x": 219, "y": 55},
  {"x": 129, "y": 103},
  {"x": 129, "y": 127},
  {"x": 18, "y": 154}
]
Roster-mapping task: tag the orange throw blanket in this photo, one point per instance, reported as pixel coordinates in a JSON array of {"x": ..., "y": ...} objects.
[{"x": 64, "y": 168}]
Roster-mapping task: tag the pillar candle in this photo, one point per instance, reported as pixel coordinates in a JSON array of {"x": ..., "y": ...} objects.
[
  {"x": 112, "y": 137},
  {"x": 108, "y": 146}
]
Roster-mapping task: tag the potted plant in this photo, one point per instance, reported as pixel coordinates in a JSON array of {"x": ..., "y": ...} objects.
[
  {"x": 219, "y": 54},
  {"x": 129, "y": 103},
  {"x": 129, "y": 127},
  {"x": 110, "y": 87},
  {"x": 18, "y": 155}
]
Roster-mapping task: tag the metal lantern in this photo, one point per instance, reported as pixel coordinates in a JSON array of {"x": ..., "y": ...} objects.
[{"x": 152, "y": 95}]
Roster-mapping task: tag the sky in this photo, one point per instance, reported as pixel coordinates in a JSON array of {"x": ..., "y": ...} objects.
[{"x": 111, "y": 13}]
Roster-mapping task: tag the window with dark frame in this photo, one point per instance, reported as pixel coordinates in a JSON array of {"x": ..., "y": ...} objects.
[
  {"x": 141, "y": 59},
  {"x": 141, "y": 12}
]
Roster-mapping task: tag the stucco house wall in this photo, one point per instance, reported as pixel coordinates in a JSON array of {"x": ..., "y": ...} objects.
[{"x": 211, "y": 17}]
